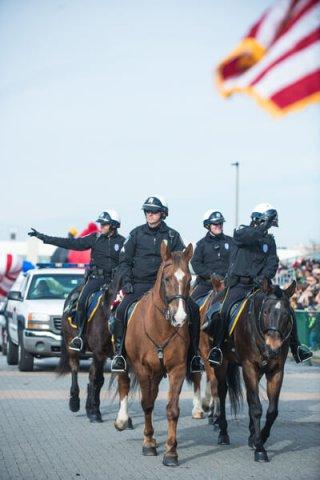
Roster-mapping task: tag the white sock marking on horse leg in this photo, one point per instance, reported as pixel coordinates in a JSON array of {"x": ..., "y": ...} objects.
[
  {"x": 197, "y": 411},
  {"x": 181, "y": 314},
  {"x": 123, "y": 411}
]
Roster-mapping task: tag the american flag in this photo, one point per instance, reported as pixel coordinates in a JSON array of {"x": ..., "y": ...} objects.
[{"x": 278, "y": 61}]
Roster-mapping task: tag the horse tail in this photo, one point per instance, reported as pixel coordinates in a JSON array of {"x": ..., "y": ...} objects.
[
  {"x": 63, "y": 367},
  {"x": 234, "y": 387},
  {"x": 134, "y": 384},
  {"x": 189, "y": 375}
]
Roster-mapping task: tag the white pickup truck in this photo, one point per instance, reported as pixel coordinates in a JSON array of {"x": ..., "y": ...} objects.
[{"x": 34, "y": 311}]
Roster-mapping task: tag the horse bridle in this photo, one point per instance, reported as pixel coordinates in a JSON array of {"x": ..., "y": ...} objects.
[{"x": 262, "y": 330}]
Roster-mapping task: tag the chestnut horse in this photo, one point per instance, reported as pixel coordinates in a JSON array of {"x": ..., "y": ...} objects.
[
  {"x": 157, "y": 343},
  {"x": 260, "y": 344},
  {"x": 98, "y": 341}
]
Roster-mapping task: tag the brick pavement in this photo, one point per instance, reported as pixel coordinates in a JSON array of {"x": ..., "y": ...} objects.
[{"x": 41, "y": 439}]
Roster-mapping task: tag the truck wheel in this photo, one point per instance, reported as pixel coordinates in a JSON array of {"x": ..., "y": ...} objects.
[
  {"x": 4, "y": 341},
  {"x": 12, "y": 354},
  {"x": 25, "y": 359}
]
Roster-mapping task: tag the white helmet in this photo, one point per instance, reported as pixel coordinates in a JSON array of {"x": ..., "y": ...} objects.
[
  {"x": 111, "y": 217},
  {"x": 263, "y": 212},
  {"x": 212, "y": 217},
  {"x": 156, "y": 203}
]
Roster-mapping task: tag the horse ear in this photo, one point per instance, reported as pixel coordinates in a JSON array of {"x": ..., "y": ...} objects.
[
  {"x": 291, "y": 289},
  {"x": 265, "y": 287},
  {"x": 217, "y": 282},
  {"x": 165, "y": 251},
  {"x": 188, "y": 252}
]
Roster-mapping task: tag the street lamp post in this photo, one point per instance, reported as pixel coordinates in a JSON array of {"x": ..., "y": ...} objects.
[{"x": 237, "y": 165}]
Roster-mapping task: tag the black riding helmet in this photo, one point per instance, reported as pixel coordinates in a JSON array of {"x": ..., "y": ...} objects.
[
  {"x": 110, "y": 217},
  {"x": 212, "y": 217},
  {"x": 156, "y": 204},
  {"x": 264, "y": 212}
]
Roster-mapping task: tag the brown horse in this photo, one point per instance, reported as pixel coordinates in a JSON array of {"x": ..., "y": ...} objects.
[
  {"x": 260, "y": 344},
  {"x": 157, "y": 343},
  {"x": 98, "y": 341}
]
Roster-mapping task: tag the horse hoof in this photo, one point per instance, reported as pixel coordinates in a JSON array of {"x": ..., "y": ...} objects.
[
  {"x": 250, "y": 442},
  {"x": 223, "y": 439},
  {"x": 130, "y": 424},
  {"x": 149, "y": 451},
  {"x": 74, "y": 404},
  {"x": 261, "y": 456},
  {"x": 170, "y": 461},
  {"x": 94, "y": 417},
  {"x": 198, "y": 415},
  {"x": 120, "y": 426}
]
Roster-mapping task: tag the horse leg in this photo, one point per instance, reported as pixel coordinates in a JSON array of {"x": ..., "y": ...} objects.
[
  {"x": 251, "y": 378},
  {"x": 197, "y": 411},
  {"x": 212, "y": 386},
  {"x": 96, "y": 381},
  {"x": 221, "y": 373},
  {"x": 274, "y": 383},
  {"x": 74, "y": 400},
  {"x": 149, "y": 391},
  {"x": 123, "y": 421},
  {"x": 176, "y": 378}
]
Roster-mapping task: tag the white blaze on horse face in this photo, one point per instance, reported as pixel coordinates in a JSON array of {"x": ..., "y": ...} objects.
[
  {"x": 181, "y": 314},
  {"x": 123, "y": 411}
]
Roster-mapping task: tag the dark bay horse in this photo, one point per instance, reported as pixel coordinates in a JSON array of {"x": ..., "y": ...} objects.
[
  {"x": 260, "y": 344},
  {"x": 157, "y": 343},
  {"x": 98, "y": 341}
]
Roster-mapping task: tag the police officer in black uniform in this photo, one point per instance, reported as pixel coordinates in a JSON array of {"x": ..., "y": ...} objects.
[
  {"x": 140, "y": 260},
  {"x": 254, "y": 259},
  {"x": 105, "y": 250},
  {"x": 212, "y": 253}
]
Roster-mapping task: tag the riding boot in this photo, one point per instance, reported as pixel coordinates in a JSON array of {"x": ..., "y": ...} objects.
[
  {"x": 118, "y": 363},
  {"x": 77, "y": 343},
  {"x": 196, "y": 365},
  {"x": 215, "y": 356},
  {"x": 300, "y": 353}
]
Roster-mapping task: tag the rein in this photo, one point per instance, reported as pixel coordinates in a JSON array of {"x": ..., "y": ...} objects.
[
  {"x": 260, "y": 330},
  {"x": 165, "y": 312}
]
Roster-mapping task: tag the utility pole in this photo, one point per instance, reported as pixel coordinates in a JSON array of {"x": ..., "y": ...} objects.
[{"x": 237, "y": 165}]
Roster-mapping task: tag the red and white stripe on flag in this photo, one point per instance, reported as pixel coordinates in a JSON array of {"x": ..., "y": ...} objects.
[
  {"x": 10, "y": 267},
  {"x": 278, "y": 61}
]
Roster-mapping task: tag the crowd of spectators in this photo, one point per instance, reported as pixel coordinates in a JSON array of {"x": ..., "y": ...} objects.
[{"x": 306, "y": 272}]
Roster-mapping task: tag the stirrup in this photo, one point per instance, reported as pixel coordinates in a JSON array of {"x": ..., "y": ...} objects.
[
  {"x": 116, "y": 369},
  {"x": 196, "y": 365},
  {"x": 76, "y": 348},
  {"x": 215, "y": 352},
  {"x": 303, "y": 354}
]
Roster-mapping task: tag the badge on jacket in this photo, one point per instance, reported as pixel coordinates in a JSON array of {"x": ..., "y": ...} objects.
[
  {"x": 265, "y": 247},
  {"x": 226, "y": 246},
  {"x": 116, "y": 247}
]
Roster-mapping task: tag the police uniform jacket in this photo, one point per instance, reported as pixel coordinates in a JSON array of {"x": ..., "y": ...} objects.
[
  {"x": 105, "y": 250},
  {"x": 211, "y": 255},
  {"x": 140, "y": 256},
  {"x": 254, "y": 254}
]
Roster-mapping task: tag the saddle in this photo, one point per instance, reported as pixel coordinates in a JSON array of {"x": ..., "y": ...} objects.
[
  {"x": 202, "y": 300},
  {"x": 92, "y": 304}
]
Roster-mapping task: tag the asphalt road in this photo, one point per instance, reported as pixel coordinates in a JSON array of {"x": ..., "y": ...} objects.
[{"x": 41, "y": 439}]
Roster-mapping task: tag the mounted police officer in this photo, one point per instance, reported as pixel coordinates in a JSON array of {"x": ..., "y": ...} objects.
[
  {"x": 105, "y": 250},
  {"x": 254, "y": 259},
  {"x": 140, "y": 260},
  {"x": 212, "y": 253}
]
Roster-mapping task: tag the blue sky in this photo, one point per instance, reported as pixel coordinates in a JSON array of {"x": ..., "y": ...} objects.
[{"x": 103, "y": 103}]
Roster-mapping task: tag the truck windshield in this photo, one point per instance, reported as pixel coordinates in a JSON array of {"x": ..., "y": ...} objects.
[{"x": 53, "y": 286}]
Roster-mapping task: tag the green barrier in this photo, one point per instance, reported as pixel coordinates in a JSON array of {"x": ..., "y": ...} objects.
[{"x": 302, "y": 317}]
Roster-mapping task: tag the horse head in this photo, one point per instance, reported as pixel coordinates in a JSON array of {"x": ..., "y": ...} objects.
[
  {"x": 175, "y": 278},
  {"x": 275, "y": 321}
]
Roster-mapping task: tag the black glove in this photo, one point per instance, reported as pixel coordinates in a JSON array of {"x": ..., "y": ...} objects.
[
  {"x": 128, "y": 288},
  {"x": 35, "y": 233}
]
